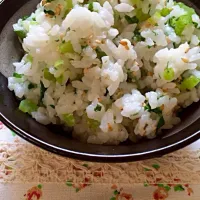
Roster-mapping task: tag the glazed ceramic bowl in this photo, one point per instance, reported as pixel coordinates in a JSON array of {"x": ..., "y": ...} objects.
[{"x": 52, "y": 138}]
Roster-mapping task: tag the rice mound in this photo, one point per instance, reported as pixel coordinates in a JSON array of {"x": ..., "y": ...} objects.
[{"x": 111, "y": 71}]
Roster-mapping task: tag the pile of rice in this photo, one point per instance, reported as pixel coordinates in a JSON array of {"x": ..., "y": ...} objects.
[{"x": 111, "y": 71}]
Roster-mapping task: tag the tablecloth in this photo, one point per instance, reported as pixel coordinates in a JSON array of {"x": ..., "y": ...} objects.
[{"x": 30, "y": 173}]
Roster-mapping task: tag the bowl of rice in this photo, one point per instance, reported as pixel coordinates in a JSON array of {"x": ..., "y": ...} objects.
[{"x": 101, "y": 80}]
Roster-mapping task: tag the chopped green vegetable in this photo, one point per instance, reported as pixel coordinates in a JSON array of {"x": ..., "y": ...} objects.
[
  {"x": 178, "y": 188},
  {"x": 59, "y": 63},
  {"x": 66, "y": 47},
  {"x": 48, "y": 75},
  {"x": 33, "y": 23},
  {"x": 155, "y": 110},
  {"x": 97, "y": 108},
  {"x": 27, "y": 106},
  {"x": 90, "y": 6},
  {"x": 21, "y": 34},
  {"x": 165, "y": 11},
  {"x": 141, "y": 16},
  {"x": 172, "y": 22},
  {"x": 181, "y": 23},
  {"x": 42, "y": 91},
  {"x": 77, "y": 189},
  {"x": 131, "y": 20},
  {"x": 137, "y": 36},
  {"x": 161, "y": 122},
  {"x": 147, "y": 107},
  {"x": 69, "y": 6},
  {"x": 60, "y": 79},
  {"x": 100, "y": 53},
  {"x": 69, "y": 119},
  {"x": 156, "y": 166},
  {"x": 189, "y": 83},
  {"x": 189, "y": 10},
  {"x": 31, "y": 86},
  {"x": 29, "y": 58},
  {"x": 93, "y": 124},
  {"x": 168, "y": 74},
  {"x": 49, "y": 12},
  {"x": 116, "y": 19},
  {"x": 25, "y": 17},
  {"x": 16, "y": 75}
]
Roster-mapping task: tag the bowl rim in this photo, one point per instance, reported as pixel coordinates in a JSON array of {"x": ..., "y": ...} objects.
[
  {"x": 99, "y": 157},
  {"x": 173, "y": 145}
]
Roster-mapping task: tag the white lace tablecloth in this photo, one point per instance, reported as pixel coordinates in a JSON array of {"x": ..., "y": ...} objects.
[{"x": 30, "y": 173}]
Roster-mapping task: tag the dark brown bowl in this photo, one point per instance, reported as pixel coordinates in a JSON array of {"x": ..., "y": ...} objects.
[{"x": 52, "y": 138}]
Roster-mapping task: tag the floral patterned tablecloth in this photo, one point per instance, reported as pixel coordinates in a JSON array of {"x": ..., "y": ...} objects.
[{"x": 30, "y": 173}]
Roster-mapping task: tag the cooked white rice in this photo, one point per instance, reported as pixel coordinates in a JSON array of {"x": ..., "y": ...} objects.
[{"x": 111, "y": 70}]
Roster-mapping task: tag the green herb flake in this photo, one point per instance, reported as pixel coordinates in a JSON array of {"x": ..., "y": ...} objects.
[
  {"x": 25, "y": 17},
  {"x": 161, "y": 122},
  {"x": 21, "y": 34},
  {"x": 100, "y": 53},
  {"x": 157, "y": 111},
  {"x": 147, "y": 107},
  {"x": 131, "y": 20},
  {"x": 69, "y": 119},
  {"x": 97, "y": 108},
  {"x": 52, "y": 106},
  {"x": 90, "y": 6},
  {"x": 42, "y": 91},
  {"x": 49, "y": 12},
  {"x": 178, "y": 188},
  {"x": 16, "y": 75},
  {"x": 113, "y": 198},
  {"x": 77, "y": 189},
  {"x": 31, "y": 86},
  {"x": 137, "y": 36}
]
